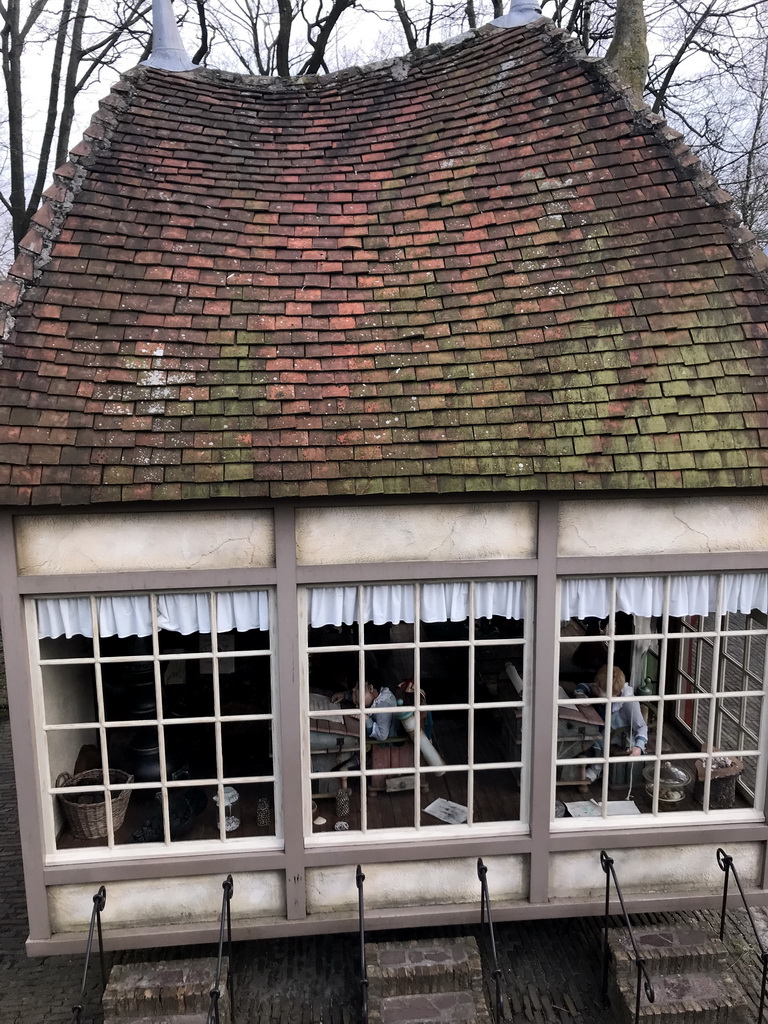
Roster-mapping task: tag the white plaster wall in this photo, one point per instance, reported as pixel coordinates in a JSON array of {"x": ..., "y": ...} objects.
[
  {"x": 51, "y": 545},
  {"x": 650, "y": 870},
  {"x": 654, "y": 526},
  {"x": 151, "y": 902},
  {"x": 415, "y": 883},
  {"x": 404, "y": 533}
]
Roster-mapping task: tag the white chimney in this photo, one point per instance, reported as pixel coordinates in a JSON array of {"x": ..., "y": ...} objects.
[
  {"x": 168, "y": 50},
  {"x": 520, "y": 13}
]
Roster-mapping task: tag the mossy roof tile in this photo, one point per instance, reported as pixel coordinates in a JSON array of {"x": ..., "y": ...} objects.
[{"x": 475, "y": 289}]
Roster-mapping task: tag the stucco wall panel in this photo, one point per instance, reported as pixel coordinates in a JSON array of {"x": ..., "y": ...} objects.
[
  {"x": 401, "y": 533},
  {"x": 649, "y": 870},
  {"x": 415, "y": 883},
  {"x": 663, "y": 525},
  {"x": 159, "y": 902},
  {"x": 52, "y": 545}
]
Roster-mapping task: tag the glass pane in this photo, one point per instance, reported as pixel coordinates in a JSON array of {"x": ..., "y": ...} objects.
[
  {"x": 445, "y": 801},
  {"x": 69, "y": 694},
  {"x": 191, "y": 750},
  {"x": 445, "y": 675},
  {"x": 72, "y": 751},
  {"x": 333, "y": 636},
  {"x": 391, "y": 795},
  {"x": 334, "y": 672},
  {"x": 448, "y": 733},
  {"x": 187, "y": 810},
  {"x": 497, "y": 795},
  {"x": 583, "y": 650},
  {"x": 80, "y": 819},
  {"x": 247, "y": 689},
  {"x": 129, "y": 686},
  {"x": 498, "y": 672},
  {"x": 737, "y": 723},
  {"x": 438, "y": 632},
  {"x": 242, "y": 640},
  {"x": 249, "y": 810},
  {"x": 187, "y": 688},
  {"x": 246, "y": 748},
  {"x": 63, "y": 647},
  {"x": 388, "y": 633},
  {"x": 672, "y": 781},
  {"x": 497, "y": 735},
  {"x": 686, "y": 725}
]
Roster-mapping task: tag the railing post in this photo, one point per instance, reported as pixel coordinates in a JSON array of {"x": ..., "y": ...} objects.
[
  {"x": 606, "y": 863},
  {"x": 725, "y": 864},
  {"x": 99, "y": 902},
  {"x": 359, "y": 879},
  {"x": 228, "y": 888},
  {"x": 485, "y": 913}
]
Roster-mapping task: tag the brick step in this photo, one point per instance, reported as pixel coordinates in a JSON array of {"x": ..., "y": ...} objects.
[
  {"x": 177, "y": 991},
  {"x": 420, "y": 966},
  {"x": 667, "y": 950},
  {"x": 691, "y": 997},
  {"x": 174, "y": 1018},
  {"x": 461, "y": 1007}
]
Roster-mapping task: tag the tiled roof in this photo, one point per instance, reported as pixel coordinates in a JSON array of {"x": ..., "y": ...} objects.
[{"x": 476, "y": 269}]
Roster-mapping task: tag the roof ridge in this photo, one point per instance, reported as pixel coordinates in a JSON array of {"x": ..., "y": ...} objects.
[
  {"x": 743, "y": 241},
  {"x": 57, "y": 200}
]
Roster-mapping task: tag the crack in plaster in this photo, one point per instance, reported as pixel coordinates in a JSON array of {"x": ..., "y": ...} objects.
[{"x": 687, "y": 526}]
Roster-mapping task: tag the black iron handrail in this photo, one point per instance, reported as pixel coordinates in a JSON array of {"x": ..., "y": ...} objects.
[
  {"x": 226, "y": 917},
  {"x": 99, "y": 902},
  {"x": 725, "y": 862},
  {"x": 359, "y": 879},
  {"x": 606, "y": 863},
  {"x": 485, "y": 915}
]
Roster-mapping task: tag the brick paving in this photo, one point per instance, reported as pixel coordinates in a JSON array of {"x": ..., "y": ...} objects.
[{"x": 551, "y": 969}]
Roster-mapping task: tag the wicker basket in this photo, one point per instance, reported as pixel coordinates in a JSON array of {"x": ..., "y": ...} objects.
[{"x": 86, "y": 813}]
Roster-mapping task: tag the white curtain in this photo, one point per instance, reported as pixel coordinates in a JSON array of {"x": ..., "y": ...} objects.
[
  {"x": 131, "y": 615},
  {"x": 440, "y": 602},
  {"x": 644, "y": 595}
]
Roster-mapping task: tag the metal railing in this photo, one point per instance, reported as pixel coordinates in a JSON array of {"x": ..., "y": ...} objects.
[
  {"x": 99, "y": 902},
  {"x": 725, "y": 863},
  {"x": 643, "y": 981},
  {"x": 485, "y": 915},
  {"x": 359, "y": 879},
  {"x": 226, "y": 918}
]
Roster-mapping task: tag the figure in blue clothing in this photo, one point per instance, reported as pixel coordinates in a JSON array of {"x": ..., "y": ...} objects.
[
  {"x": 378, "y": 727},
  {"x": 625, "y": 717}
]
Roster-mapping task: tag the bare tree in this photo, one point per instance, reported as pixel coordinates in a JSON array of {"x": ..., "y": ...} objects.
[
  {"x": 77, "y": 43},
  {"x": 278, "y": 37},
  {"x": 707, "y": 72}
]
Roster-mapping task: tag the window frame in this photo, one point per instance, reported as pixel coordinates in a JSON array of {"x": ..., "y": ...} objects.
[
  {"x": 664, "y": 635},
  {"x": 418, "y": 833},
  {"x": 109, "y": 851}
]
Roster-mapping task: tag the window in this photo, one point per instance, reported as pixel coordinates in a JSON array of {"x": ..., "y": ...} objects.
[
  {"x": 167, "y": 697},
  {"x": 416, "y": 705},
  {"x": 661, "y": 695}
]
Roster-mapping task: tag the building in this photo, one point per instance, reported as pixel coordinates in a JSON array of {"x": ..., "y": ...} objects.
[{"x": 446, "y": 373}]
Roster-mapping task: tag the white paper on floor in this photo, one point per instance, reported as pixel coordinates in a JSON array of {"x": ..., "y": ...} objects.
[{"x": 447, "y": 811}]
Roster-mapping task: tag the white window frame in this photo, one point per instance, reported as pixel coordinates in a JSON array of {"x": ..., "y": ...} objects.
[
  {"x": 418, "y": 833},
  {"x": 656, "y": 818},
  {"x": 110, "y": 850}
]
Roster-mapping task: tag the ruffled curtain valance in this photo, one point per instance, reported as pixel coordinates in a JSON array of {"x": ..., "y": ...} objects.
[
  {"x": 440, "y": 602},
  {"x": 131, "y": 615},
  {"x": 644, "y": 595}
]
